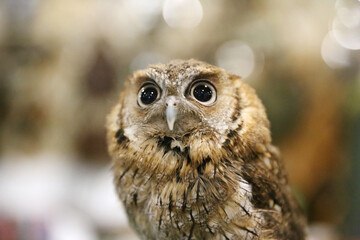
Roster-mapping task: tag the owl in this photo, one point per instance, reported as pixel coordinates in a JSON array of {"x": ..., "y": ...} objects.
[{"x": 192, "y": 157}]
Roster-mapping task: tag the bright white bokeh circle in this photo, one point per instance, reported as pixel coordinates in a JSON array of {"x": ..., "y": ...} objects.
[
  {"x": 333, "y": 54},
  {"x": 236, "y": 57},
  {"x": 182, "y": 13},
  {"x": 347, "y": 37}
]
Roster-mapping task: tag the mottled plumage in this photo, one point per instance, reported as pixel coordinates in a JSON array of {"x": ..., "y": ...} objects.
[{"x": 190, "y": 169}]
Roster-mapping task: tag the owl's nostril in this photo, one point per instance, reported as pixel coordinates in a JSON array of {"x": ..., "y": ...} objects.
[{"x": 167, "y": 104}]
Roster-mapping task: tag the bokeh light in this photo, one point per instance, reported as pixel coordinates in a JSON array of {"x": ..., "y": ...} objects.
[
  {"x": 333, "y": 53},
  {"x": 343, "y": 36},
  {"x": 350, "y": 17},
  {"x": 236, "y": 57},
  {"x": 182, "y": 13},
  {"x": 346, "y": 37},
  {"x": 145, "y": 14},
  {"x": 71, "y": 226}
]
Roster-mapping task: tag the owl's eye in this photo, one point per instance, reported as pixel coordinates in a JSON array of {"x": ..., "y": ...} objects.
[
  {"x": 204, "y": 92},
  {"x": 148, "y": 94}
]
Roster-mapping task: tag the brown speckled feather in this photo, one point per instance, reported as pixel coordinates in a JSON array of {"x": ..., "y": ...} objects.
[{"x": 215, "y": 175}]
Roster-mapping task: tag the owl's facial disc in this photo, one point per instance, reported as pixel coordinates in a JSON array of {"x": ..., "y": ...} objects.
[
  {"x": 201, "y": 91},
  {"x": 175, "y": 109}
]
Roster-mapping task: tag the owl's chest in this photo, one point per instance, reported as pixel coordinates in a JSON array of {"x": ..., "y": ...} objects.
[
  {"x": 167, "y": 210},
  {"x": 202, "y": 208}
]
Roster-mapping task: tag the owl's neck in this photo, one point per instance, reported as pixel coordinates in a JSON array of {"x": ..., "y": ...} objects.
[
  {"x": 164, "y": 159},
  {"x": 197, "y": 169}
]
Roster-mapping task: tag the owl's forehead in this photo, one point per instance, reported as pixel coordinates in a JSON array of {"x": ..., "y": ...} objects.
[
  {"x": 172, "y": 76},
  {"x": 178, "y": 73}
]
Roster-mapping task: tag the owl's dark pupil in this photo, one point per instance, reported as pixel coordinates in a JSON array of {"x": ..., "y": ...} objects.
[
  {"x": 202, "y": 93},
  {"x": 149, "y": 95}
]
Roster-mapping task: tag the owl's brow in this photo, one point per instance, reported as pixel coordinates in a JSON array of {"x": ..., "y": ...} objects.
[
  {"x": 160, "y": 77},
  {"x": 205, "y": 75},
  {"x": 140, "y": 80},
  {"x": 156, "y": 76},
  {"x": 188, "y": 82}
]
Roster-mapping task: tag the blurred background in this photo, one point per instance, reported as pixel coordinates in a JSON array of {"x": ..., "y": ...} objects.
[{"x": 63, "y": 63}]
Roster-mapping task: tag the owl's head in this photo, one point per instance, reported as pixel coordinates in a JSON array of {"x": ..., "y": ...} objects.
[{"x": 189, "y": 98}]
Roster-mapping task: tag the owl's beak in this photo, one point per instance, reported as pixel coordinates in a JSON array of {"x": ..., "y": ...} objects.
[{"x": 171, "y": 112}]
